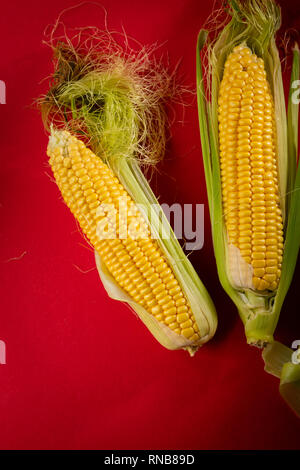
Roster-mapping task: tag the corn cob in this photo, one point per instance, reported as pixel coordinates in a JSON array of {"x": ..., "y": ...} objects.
[
  {"x": 249, "y": 172},
  {"x": 249, "y": 151},
  {"x": 137, "y": 264},
  {"x": 115, "y": 102}
]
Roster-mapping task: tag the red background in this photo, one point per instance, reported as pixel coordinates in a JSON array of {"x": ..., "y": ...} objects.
[{"x": 82, "y": 372}]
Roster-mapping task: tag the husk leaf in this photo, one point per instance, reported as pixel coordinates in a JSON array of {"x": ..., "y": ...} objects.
[{"x": 277, "y": 358}]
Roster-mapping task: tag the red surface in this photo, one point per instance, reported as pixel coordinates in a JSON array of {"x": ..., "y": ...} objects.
[{"x": 82, "y": 372}]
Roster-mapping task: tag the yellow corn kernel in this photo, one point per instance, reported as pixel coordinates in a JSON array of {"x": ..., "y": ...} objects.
[{"x": 138, "y": 265}]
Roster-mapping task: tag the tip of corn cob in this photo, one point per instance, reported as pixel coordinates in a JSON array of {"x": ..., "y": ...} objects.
[{"x": 58, "y": 143}]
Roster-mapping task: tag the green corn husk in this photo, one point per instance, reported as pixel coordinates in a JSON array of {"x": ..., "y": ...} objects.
[
  {"x": 115, "y": 101},
  {"x": 280, "y": 362},
  {"x": 254, "y": 23}
]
